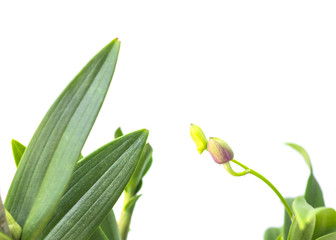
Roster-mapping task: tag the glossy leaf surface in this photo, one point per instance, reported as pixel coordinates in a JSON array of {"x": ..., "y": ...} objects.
[
  {"x": 97, "y": 183},
  {"x": 52, "y": 153}
]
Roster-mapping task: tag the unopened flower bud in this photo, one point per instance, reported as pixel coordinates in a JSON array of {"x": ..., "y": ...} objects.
[
  {"x": 220, "y": 150},
  {"x": 199, "y": 138}
]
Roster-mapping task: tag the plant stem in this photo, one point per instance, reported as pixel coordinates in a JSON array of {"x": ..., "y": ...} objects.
[
  {"x": 126, "y": 214},
  {"x": 261, "y": 177}
]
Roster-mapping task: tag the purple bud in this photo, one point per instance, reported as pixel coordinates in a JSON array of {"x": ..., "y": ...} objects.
[{"x": 220, "y": 150}]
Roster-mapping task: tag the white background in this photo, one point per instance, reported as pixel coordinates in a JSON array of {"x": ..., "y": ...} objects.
[{"x": 255, "y": 73}]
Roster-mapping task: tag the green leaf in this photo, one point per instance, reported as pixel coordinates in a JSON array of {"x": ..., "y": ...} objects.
[
  {"x": 14, "y": 228},
  {"x": 109, "y": 227},
  {"x": 325, "y": 221},
  {"x": 303, "y": 211},
  {"x": 118, "y": 133},
  {"x": 99, "y": 235},
  {"x": 52, "y": 153},
  {"x": 295, "y": 233},
  {"x": 313, "y": 194},
  {"x": 97, "y": 183},
  {"x": 272, "y": 233},
  {"x": 4, "y": 236},
  {"x": 303, "y": 225},
  {"x": 287, "y": 219},
  {"x": 3, "y": 220},
  {"x": 280, "y": 237},
  {"x": 18, "y": 150},
  {"x": 303, "y": 153},
  {"x": 133, "y": 185},
  {"x": 330, "y": 236}
]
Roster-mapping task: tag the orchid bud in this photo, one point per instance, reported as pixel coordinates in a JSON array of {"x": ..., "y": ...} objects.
[
  {"x": 220, "y": 150},
  {"x": 199, "y": 138}
]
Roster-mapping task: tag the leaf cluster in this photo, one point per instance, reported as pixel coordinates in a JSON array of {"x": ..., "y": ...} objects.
[
  {"x": 57, "y": 193},
  {"x": 312, "y": 220}
]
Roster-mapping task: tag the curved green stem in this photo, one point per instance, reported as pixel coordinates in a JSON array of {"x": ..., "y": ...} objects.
[{"x": 261, "y": 177}]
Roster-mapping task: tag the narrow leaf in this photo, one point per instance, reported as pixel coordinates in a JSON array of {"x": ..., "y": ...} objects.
[
  {"x": 132, "y": 186},
  {"x": 303, "y": 153},
  {"x": 97, "y": 183},
  {"x": 272, "y": 233},
  {"x": 52, "y": 153},
  {"x": 18, "y": 150}
]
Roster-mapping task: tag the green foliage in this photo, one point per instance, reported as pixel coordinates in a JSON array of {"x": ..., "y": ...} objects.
[
  {"x": 57, "y": 193},
  {"x": 272, "y": 233},
  {"x": 312, "y": 220}
]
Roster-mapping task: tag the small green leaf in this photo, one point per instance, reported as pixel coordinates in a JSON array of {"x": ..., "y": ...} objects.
[
  {"x": 51, "y": 155},
  {"x": 134, "y": 183},
  {"x": 280, "y": 237},
  {"x": 330, "y": 236},
  {"x": 118, "y": 133},
  {"x": 18, "y": 150},
  {"x": 3, "y": 219},
  {"x": 272, "y": 233},
  {"x": 325, "y": 221},
  {"x": 96, "y": 184},
  {"x": 14, "y": 228}
]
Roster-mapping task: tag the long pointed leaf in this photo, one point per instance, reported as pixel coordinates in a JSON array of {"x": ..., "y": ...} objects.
[
  {"x": 52, "y": 153},
  {"x": 96, "y": 185},
  {"x": 313, "y": 193}
]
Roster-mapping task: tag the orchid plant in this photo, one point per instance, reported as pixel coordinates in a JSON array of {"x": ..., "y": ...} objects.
[
  {"x": 306, "y": 217},
  {"x": 56, "y": 192}
]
